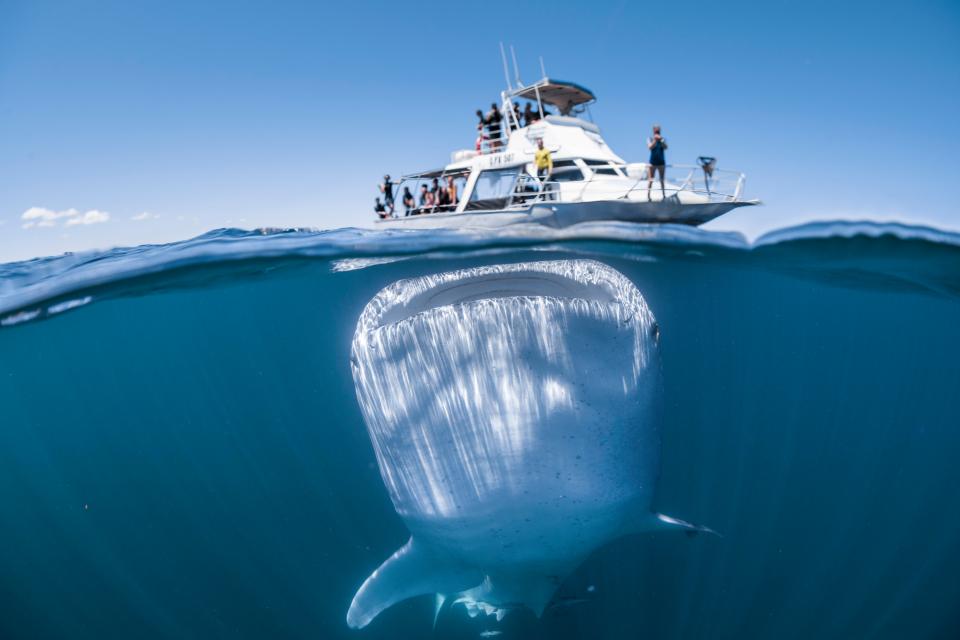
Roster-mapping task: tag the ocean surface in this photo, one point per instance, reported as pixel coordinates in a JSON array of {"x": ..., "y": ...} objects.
[{"x": 182, "y": 453}]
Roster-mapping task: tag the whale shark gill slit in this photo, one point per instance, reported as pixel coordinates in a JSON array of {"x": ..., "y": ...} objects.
[{"x": 489, "y": 285}]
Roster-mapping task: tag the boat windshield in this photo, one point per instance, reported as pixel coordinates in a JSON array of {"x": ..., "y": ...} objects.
[
  {"x": 602, "y": 167},
  {"x": 493, "y": 188},
  {"x": 564, "y": 96},
  {"x": 566, "y": 171}
]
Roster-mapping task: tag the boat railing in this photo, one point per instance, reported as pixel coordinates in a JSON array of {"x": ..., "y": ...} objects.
[
  {"x": 485, "y": 144},
  {"x": 413, "y": 183},
  {"x": 714, "y": 185},
  {"x": 531, "y": 190},
  {"x": 719, "y": 184},
  {"x": 493, "y": 143}
]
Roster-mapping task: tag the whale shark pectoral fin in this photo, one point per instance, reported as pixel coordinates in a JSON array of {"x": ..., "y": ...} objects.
[
  {"x": 438, "y": 607},
  {"x": 689, "y": 528},
  {"x": 411, "y": 571}
]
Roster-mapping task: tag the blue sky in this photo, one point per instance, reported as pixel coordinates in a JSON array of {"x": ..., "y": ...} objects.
[{"x": 192, "y": 116}]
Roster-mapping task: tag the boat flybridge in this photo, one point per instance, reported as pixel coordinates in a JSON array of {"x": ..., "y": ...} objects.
[{"x": 496, "y": 183}]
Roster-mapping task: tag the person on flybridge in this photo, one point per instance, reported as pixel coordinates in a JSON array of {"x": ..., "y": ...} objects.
[
  {"x": 493, "y": 121},
  {"x": 490, "y": 125},
  {"x": 529, "y": 115}
]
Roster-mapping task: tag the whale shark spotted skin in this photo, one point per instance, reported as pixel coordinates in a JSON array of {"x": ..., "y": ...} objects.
[{"x": 515, "y": 412}]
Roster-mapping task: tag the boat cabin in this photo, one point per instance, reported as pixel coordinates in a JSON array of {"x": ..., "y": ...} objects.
[{"x": 499, "y": 174}]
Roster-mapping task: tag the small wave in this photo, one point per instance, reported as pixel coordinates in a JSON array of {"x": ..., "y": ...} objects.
[
  {"x": 851, "y": 229},
  {"x": 58, "y": 283}
]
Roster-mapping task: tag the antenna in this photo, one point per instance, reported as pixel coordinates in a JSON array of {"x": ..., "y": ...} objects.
[
  {"x": 506, "y": 71},
  {"x": 516, "y": 69},
  {"x": 543, "y": 69}
]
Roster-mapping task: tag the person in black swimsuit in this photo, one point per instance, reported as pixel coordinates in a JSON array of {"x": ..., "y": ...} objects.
[
  {"x": 387, "y": 190},
  {"x": 408, "y": 202},
  {"x": 442, "y": 196},
  {"x": 379, "y": 209},
  {"x": 529, "y": 115},
  {"x": 494, "y": 118},
  {"x": 658, "y": 163}
]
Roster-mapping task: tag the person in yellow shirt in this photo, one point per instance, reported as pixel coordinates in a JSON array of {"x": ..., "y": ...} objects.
[{"x": 543, "y": 161}]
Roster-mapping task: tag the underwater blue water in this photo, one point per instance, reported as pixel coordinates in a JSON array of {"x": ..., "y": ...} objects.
[{"x": 182, "y": 454}]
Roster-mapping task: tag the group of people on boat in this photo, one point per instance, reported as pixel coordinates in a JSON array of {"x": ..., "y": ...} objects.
[
  {"x": 433, "y": 198},
  {"x": 437, "y": 197},
  {"x": 491, "y": 124}
]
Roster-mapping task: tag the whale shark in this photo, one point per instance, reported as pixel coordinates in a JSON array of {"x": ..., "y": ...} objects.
[{"x": 514, "y": 411}]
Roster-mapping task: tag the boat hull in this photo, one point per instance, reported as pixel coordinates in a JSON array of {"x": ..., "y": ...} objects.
[{"x": 565, "y": 214}]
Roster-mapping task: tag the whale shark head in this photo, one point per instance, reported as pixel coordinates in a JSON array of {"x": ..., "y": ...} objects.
[{"x": 514, "y": 412}]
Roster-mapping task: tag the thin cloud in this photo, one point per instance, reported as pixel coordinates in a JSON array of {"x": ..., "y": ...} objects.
[
  {"x": 43, "y": 217},
  {"x": 146, "y": 215},
  {"x": 90, "y": 217}
]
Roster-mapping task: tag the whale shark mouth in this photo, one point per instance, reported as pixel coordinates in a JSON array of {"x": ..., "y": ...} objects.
[
  {"x": 463, "y": 376},
  {"x": 584, "y": 280}
]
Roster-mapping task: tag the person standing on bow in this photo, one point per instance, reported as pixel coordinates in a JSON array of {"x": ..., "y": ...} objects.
[{"x": 658, "y": 163}]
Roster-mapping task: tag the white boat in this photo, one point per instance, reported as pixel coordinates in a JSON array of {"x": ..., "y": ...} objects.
[{"x": 497, "y": 184}]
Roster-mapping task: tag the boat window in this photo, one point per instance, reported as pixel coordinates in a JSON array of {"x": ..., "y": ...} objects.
[
  {"x": 564, "y": 171},
  {"x": 564, "y": 174},
  {"x": 602, "y": 167},
  {"x": 493, "y": 188}
]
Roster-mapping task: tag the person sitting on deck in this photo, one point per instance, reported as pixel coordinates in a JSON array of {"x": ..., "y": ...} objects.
[
  {"x": 543, "y": 161},
  {"x": 436, "y": 193},
  {"x": 380, "y": 210},
  {"x": 452, "y": 198},
  {"x": 443, "y": 196},
  {"x": 426, "y": 198},
  {"x": 408, "y": 202}
]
